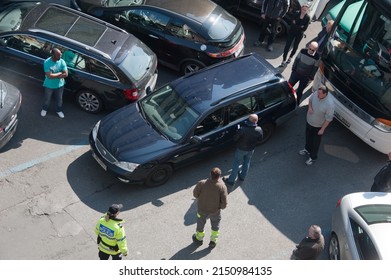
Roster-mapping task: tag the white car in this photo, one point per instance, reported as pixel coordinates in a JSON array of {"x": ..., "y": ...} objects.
[{"x": 361, "y": 227}]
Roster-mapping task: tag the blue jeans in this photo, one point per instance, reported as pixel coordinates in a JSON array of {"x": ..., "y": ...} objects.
[
  {"x": 243, "y": 157},
  {"x": 49, "y": 92}
]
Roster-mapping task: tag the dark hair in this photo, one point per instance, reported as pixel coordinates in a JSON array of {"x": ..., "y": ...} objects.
[{"x": 215, "y": 173}]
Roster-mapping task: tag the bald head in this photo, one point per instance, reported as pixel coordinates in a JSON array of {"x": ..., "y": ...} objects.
[{"x": 253, "y": 118}]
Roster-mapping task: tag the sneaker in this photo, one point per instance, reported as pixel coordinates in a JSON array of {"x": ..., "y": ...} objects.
[
  {"x": 282, "y": 64},
  {"x": 310, "y": 161},
  {"x": 240, "y": 178},
  {"x": 196, "y": 241},
  {"x": 303, "y": 152},
  {"x": 288, "y": 61},
  {"x": 212, "y": 244},
  {"x": 225, "y": 180},
  {"x": 60, "y": 114},
  {"x": 43, "y": 113},
  {"x": 257, "y": 43},
  {"x": 270, "y": 48}
]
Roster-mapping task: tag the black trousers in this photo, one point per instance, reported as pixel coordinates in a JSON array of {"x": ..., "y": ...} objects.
[
  {"x": 312, "y": 140},
  {"x": 303, "y": 82},
  {"x": 295, "y": 38},
  {"x": 264, "y": 30},
  {"x": 103, "y": 256}
]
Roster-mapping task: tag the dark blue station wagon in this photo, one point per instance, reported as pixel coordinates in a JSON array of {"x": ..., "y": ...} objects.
[{"x": 190, "y": 118}]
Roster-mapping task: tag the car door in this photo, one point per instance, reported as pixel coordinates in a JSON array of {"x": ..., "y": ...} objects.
[
  {"x": 215, "y": 131},
  {"x": 23, "y": 55}
]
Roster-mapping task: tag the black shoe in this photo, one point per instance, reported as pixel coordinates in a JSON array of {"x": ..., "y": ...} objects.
[
  {"x": 225, "y": 180},
  {"x": 196, "y": 241},
  {"x": 212, "y": 245},
  {"x": 240, "y": 178}
]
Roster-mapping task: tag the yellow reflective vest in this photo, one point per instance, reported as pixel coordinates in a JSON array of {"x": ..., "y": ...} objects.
[{"x": 112, "y": 236}]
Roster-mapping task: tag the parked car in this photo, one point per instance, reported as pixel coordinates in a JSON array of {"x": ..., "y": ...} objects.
[
  {"x": 251, "y": 10},
  {"x": 361, "y": 226},
  {"x": 190, "y": 118},
  {"x": 85, "y": 4},
  {"x": 186, "y": 35},
  {"x": 108, "y": 67},
  {"x": 10, "y": 100}
]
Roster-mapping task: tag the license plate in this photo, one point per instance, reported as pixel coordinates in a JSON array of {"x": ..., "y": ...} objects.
[
  {"x": 341, "y": 119},
  {"x": 99, "y": 161}
]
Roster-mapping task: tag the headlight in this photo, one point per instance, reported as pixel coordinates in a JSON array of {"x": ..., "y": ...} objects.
[
  {"x": 95, "y": 130},
  {"x": 128, "y": 166}
]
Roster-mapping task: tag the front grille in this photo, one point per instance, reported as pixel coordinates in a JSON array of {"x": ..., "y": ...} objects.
[{"x": 104, "y": 152}]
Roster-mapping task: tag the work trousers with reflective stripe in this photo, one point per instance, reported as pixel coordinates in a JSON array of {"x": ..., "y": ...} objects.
[{"x": 214, "y": 218}]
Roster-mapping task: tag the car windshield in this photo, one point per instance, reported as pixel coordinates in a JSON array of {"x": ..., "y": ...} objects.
[
  {"x": 169, "y": 113},
  {"x": 11, "y": 18},
  {"x": 375, "y": 213},
  {"x": 222, "y": 24},
  {"x": 136, "y": 62}
]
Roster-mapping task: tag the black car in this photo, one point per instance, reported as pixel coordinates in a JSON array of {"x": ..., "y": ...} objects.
[
  {"x": 186, "y": 35},
  {"x": 108, "y": 67},
  {"x": 10, "y": 100},
  {"x": 190, "y": 118},
  {"x": 251, "y": 10}
]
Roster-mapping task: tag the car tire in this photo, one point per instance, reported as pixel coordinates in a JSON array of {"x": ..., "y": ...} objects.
[
  {"x": 268, "y": 130},
  {"x": 191, "y": 66},
  {"x": 159, "y": 175},
  {"x": 89, "y": 101},
  {"x": 281, "y": 29},
  {"x": 334, "y": 252}
]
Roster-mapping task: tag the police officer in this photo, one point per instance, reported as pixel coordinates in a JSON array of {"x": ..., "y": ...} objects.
[{"x": 111, "y": 235}]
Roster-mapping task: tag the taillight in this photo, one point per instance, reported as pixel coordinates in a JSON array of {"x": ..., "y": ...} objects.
[
  {"x": 292, "y": 90},
  {"x": 238, "y": 47},
  {"x": 131, "y": 94},
  {"x": 338, "y": 203}
]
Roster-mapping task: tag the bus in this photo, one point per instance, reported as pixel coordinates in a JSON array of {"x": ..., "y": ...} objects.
[{"x": 356, "y": 67}]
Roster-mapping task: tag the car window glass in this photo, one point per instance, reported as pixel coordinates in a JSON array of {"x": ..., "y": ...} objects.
[
  {"x": 182, "y": 30},
  {"x": 148, "y": 18},
  {"x": 73, "y": 59},
  {"x": 211, "y": 122},
  {"x": 11, "y": 17},
  {"x": 240, "y": 109},
  {"x": 364, "y": 244},
  {"x": 271, "y": 96},
  {"x": 137, "y": 60},
  {"x": 28, "y": 44},
  {"x": 220, "y": 26},
  {"x": 98, "y": 68}
]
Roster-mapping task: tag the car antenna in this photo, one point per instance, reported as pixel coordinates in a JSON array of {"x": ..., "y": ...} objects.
[{"x": 113, "y": 42}]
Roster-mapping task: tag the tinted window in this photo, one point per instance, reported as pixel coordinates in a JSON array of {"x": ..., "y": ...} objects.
[
  {"x": 364, "y": 244},
  {"x": 241, "y": 108},
  {"x": 71, "y": 25},
  {"x": 149, "y": 18},
  {"x": 222, "y": 25},
  {"x": 29, "y": 44},
  {"x": 375, "y": 213},
  {"x": 182, "y": 30},
  {"x": 98, "y": 68},
  {"x": 211, "y": 122},
  {"x": 271, "y": 96},
  {"x": 73, "y": 59}
]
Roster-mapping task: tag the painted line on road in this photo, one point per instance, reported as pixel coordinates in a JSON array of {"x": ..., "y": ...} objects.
[{"x": 29, "y": 164}]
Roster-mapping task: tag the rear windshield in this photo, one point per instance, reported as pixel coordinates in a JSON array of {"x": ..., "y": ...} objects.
[
  {"x": 220, "y": 24},
  {"x": 375, "y": 213},
  {"x": 71, "y": 25},
  {"x": 11, "y": 18},
  {"x": 137, "y": 62}
]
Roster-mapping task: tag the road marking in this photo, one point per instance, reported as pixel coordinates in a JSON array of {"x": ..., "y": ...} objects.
[{"x": 29, "y": 164}]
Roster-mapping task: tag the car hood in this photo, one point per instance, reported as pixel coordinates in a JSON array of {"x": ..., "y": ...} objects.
[
  {"x": 127, "y": 136},
  {"x": 9, "y": 100}
]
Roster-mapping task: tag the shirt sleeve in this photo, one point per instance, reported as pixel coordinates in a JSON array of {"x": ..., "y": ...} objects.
[
  {"x": 121, "y": 240},
  {"x": 330, "y": 113},
  {"x": 197, "y": 190}
]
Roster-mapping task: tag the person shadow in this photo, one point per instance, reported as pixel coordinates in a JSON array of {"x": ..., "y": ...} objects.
[{"x": 190, "y": 253}]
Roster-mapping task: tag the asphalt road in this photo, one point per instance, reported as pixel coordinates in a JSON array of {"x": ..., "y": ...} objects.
[{"x": 52, "y": 191}]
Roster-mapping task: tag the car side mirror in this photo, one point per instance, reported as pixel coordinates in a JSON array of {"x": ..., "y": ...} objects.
[{"x": 195, "y": 139}]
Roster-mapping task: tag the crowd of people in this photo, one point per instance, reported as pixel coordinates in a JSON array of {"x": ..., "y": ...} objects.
[{"x": 212, "y": 193}]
